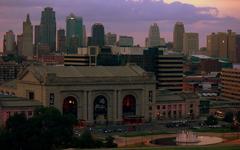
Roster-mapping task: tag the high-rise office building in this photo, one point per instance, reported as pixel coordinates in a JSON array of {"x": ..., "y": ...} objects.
[
  {"x": 178, "y": 36},
  {"x": 232, "y": 47},
  {"x": 230, "y": 84},
  {"x": 167, "y": 67},
  {"x": 36, "y": 38},
  {"x": 19, "y": 44},
  {"x": 154, "y": 36},
  {"x": 190, "y": 43},
  {"x": 222, "y": 45},
  {"x": 126, "y": 41},
  {"x": 61, "y": 40},
  {"x": 27, "y": 49},
  {"x": 9, "y": 43},
  {"x": 146, "y": 42},
  {"x": 84, "y": 36},
  {"x": 212, "y": 45},
  {"x": 238, "y": 47},
  {"x": 48, "y": 28},
  {"x": 170, "y": 72},
  {"x": 74, "y": 31},
  {"x": 110, "y": 39},
  {"x": 98, "y": 35},
  {"x": 37, "y": 34}
]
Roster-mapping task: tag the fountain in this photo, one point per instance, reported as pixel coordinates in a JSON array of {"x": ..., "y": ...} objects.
[{"x": 186, "y": 137}]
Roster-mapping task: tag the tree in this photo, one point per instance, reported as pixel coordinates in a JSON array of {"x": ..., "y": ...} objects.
[
  {"x": 47, "y": 129},
  {"x": 229, "y": 117},
  {"x": 15, "y": 128},
  {"x": 211, "y": 120}
]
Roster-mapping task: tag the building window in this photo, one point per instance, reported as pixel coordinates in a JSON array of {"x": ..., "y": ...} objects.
[
  {"x": 150, "y": 95},
  {"x": 163, "y": 107},
  {"x": 164, "y": 114},
  {"x": 30, "y": 95},
  {"x": 180, "y": 114},
  {"x": 169, "y": 106},
  {"x": 150, "y": 108},
  {"x": 175, "y": 114},
  {"x": 175, "y": 107},
  {"x": 169, "y": 114},
  {"x": 158, "y": 107},
  {"x": 9, "y": 114},
  {"x": 51, "y": 99},
  {"x": 180, "y": 106},
  {"x": 191, "y": 106},
  {"x": 30, "y": 113}
]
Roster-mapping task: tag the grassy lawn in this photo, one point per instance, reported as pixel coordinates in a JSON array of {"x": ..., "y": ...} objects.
[
  {"x": 216, "y": 130},
  {"x": 194, "y": 148},
  {"x": 145, "y": 133}
]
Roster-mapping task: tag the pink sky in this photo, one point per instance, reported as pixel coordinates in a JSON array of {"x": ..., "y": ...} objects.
[{"x": 126, "y": 17}]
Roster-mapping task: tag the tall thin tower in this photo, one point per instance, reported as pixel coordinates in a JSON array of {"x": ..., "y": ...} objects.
[
  {"x": 27, "y": 47},
  {"x": 154, "y": 36},
  {"x": 74, "y": 26},
  {"x": 178, "y": 36},
  {"x": 48, "y": 28}
]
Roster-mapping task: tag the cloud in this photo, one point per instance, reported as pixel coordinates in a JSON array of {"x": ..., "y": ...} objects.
[{"x": 121, "y": 16}]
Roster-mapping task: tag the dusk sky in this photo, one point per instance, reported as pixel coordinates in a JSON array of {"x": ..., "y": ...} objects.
[{"x": 129, "y": 17}]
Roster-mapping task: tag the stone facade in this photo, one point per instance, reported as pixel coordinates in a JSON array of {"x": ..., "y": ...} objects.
[
  {"x": 172, "y": 106},
  {"x": 79, "y": 87}
]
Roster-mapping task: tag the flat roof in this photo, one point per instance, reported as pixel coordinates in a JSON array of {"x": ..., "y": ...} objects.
[{"x": 13, "y": 101}]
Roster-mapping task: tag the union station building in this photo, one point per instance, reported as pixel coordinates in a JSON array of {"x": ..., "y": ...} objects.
[{"x": 93, "y": 94}]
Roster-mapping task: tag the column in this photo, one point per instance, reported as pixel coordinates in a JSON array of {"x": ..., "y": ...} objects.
[
  {"x": 119, "y": 102},
  {"x": 90, "y": 107},
  {"x": 85, "y": 99},
  {"x": 114, "y": 106},
  {"x": 142, "y": 107}
]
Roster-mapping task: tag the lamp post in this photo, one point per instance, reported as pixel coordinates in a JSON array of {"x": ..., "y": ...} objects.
[{"x": 126, "y": 138}]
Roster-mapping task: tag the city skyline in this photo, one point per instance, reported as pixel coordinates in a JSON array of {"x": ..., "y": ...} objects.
[{"x": 202, "y": 17}]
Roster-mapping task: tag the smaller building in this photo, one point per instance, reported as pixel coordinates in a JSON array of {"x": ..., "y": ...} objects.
[
  {"x": 172, "y": 106},
  {"x": 204, "y": 85},
  {"x": 190, "y": 43},
  {"x": 10, "y": 105},
  {"x": 230, "y": 80},
  {"x": 125, "y": 41},
  {"x": 9, "y": 71},
  {"x": 220, "y": 107},
  {"x": 202, "y": 64}
]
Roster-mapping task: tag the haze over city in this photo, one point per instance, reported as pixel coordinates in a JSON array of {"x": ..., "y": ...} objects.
[
  {"x": 129, "y": 17},
  {"x": 128, "y": 74}
]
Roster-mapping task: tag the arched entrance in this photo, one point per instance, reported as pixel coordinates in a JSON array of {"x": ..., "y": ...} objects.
[
  {"x": 70, "y": 106},
  {"x": 129, "y": 106},
  {"x": 100, "y": 109}
]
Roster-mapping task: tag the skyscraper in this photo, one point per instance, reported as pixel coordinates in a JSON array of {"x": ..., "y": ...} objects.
[
  {"x": 9, "y": 43},
  {"x": 110, "y": 39},
  {"x": 36, "y": 38},
  {"x": 74, "y": 32},
  {"x": 190, "y": 43},
  {"x": 61, "y": 40},
  {"x": 98, "y": 35},
  {"x": 37, "y": 34},
  {"x": 48, "y": 28},
  {"x": 27, "y": 48},
  {"x": 154, "y": 36},
  {"x": 223, "y": 45},
  {"x": 84, "y": 36},
  {"x": 238, "y": 47},
  {"x": 178, "y": 36},
  {"x": 19, "y": 43}
]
